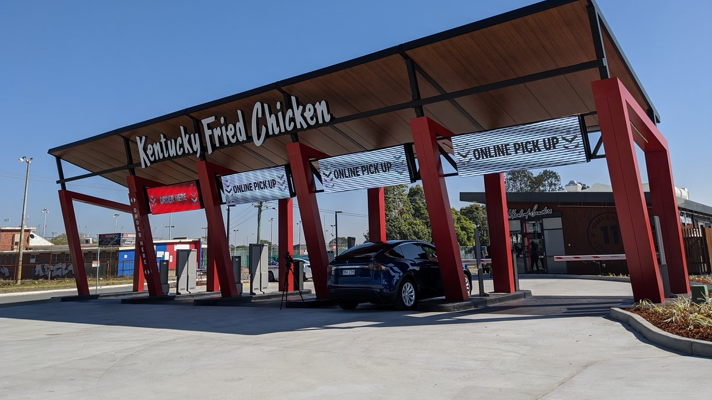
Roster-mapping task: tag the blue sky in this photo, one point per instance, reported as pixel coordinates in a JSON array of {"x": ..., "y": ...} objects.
[{"x": 74, "y": 69}]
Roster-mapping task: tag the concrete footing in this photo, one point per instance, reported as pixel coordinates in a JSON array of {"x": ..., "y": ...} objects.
[
  {"x": 442, "y": 305},
  {"x": 79, "y": 297},
  {"x": 148, "y": 299}
]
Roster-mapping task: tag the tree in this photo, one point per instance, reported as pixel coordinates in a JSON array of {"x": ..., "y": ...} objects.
[
  {"x": 464, "y": 229},
  {"x": 525, "y": 181},
  {"x": 401, "y": 222},
  {"x": 478, "y": 215},
  {"x": 60, "y": 239}
]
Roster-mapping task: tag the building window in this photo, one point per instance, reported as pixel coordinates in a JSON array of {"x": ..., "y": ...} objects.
[
  {"x": 67, "y": 257},
  {"x": 33, "y": 258}
]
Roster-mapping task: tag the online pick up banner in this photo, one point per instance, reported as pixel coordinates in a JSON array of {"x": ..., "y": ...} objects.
[
  {"x": 368, "y": 169},
  {"x": 259, "y": 185},
  {"x": 530, "y": 146},
  {"x": 174, "y": 198}
]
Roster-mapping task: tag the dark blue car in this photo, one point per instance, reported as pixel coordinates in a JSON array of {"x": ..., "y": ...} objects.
[{"x": 398, "y": 272}]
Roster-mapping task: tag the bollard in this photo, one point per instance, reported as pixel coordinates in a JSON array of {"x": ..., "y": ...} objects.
[{"x": 481, "y": 281}]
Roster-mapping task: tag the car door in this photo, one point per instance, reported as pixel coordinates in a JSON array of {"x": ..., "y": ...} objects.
[
  {"x": 435, "y": 281},
  {"x": 421, "y": 267}
]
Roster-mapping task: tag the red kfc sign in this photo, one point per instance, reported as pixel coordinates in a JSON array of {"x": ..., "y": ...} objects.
[{"x": 174, "y": 198}]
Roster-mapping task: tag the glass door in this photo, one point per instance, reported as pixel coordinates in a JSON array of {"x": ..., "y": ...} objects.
[{"x": 534, "y": 246}]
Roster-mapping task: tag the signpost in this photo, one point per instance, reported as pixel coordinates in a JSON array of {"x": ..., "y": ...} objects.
[
  {"x": 543, "y": 144},
  {"x": 174, "y": 198},
  {"x": 365, "y": 170},
  {"x": 255, "y": 186}
]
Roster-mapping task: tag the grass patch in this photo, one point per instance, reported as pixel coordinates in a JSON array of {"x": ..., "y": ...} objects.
[
  {"x": 681, "y": 317},
  {"x": 34, "y": 285}
]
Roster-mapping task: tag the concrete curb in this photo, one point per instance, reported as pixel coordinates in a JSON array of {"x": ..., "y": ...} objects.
[{"x": 656, "y": 335}]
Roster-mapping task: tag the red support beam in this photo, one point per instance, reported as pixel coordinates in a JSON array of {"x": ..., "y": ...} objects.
[
  {"x": 285, "y": 239},
  {"x": 664, "y": 202},
  {"x": 619, "y": 142},
  {"x": 75, "y": 247},
  {"x": 377, "y": 214},
  {"x": 305, "y": 187},
  {"x": 218, "y": 249},
  {"x": 66, "y": 199},
  {"x": 138, "y": 281},
  {"x": 146, "y": 251},
  {"x": 500, "y": 244},
  {"x": 425, "y": 131}
]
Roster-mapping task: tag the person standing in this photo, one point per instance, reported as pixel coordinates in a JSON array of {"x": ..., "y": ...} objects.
[{"x": 535, "y": 257}]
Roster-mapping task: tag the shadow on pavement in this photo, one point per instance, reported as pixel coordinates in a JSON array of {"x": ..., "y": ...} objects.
[{"x": 265, "y": 317}]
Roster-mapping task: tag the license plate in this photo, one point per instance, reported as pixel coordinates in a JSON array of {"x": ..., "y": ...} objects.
[{"x": 349, "y": 272}]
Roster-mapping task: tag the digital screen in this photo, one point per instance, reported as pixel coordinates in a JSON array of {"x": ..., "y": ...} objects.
[
  {"x": 259, "y": 185},
  {"x": 174, "y": 198},
  {"x": 364, "y": 170},
  {"x": 530, "y": 146}
]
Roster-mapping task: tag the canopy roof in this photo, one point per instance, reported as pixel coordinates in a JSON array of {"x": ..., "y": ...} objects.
[{"x": 527, "y": 65}]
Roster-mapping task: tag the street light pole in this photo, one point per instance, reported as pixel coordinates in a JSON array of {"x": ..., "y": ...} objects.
[
  {"x": 22, "y": 224},
  {"x": 44, "y": 224},
  {"x": 270, "y": 238},
  {"x": 336, "y": 228},
  {"x": 299, "y": 244},
  {"x": 116, "y": 222}
]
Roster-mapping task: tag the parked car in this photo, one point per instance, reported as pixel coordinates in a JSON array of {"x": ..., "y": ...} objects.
[
  {"x": 398, "y": 272},
  {"x": 273, "y": 270}
]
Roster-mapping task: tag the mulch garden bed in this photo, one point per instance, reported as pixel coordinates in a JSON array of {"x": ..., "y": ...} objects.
[{"x": 675, "y": 327}]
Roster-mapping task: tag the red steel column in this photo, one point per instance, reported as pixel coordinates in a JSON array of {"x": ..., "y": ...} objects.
[
  {"x": 377, "y": 215},
  {"x": 309, "y": 211},
  {"x": 500, "y": 244},
  {"x": 212, "y": 284},
  {"x": 285, "y": 239},
  {"x": 138, "y": 281},
  {"x": 144, "y": 238},
  {"x": 631, "y": 206},
  {"x": 425, "y": 132},
  {"x": 217, "y": 238},
  {"x": 664, "y": 202},
  {"x": 75, "y": 248}
]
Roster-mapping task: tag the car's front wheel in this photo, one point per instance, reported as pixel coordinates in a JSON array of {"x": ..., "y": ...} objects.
[
  {"x": 468, "y": 284},
  {"x": 271, "y": 276},
  {"x": 407, "y": 295}
]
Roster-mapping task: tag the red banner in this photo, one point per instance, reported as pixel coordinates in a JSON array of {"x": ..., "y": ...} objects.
[{"x": 174, "y": 198}]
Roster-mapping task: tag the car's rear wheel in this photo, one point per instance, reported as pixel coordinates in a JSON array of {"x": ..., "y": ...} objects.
[
  {"x": 407, "y": 295},
  {"x": 348, "y": 305},
  {"x": 271, "y": 276},
  {"x": 468, "y": 284}
]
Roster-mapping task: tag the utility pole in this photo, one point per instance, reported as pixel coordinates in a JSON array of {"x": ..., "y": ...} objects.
[
  {"x": 336, "y": 227},
  {"x": 44, "y": 224},
  {"x": 228, "y": 223},
  {"x": 170, "y": 226},
  {"x": 259, "y": 219},
  {"x": 22, "y": 224}
]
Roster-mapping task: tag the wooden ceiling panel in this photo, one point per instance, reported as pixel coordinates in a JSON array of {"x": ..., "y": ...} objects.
[
  {"x": 618, "y": 68},
  {"x": 548, "y": 36},
  {"x": 365, "y": 87}
]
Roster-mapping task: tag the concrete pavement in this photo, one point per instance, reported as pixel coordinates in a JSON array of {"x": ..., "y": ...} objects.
[{"x": 557, "y": 345}]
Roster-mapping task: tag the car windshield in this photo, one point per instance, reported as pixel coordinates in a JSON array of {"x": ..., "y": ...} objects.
[{"x": 363, "y": 250}]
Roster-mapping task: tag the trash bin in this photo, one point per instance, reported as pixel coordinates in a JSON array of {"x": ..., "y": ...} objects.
[{"x": 298, "y": 274}]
